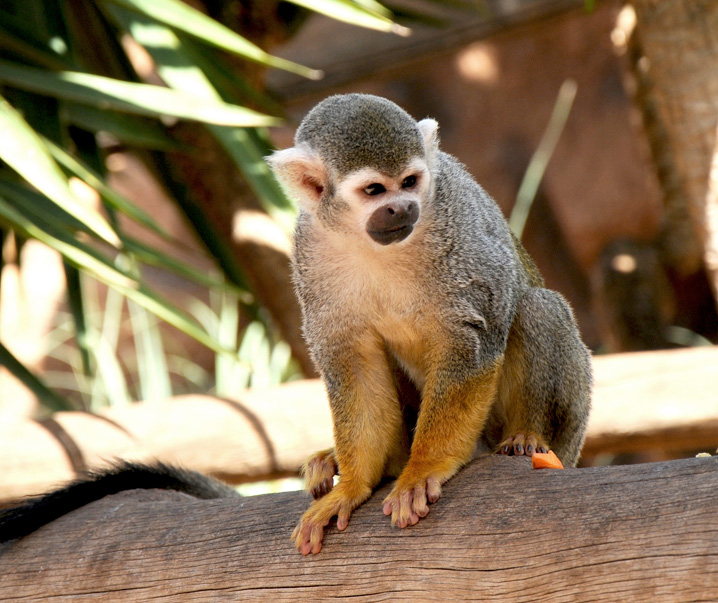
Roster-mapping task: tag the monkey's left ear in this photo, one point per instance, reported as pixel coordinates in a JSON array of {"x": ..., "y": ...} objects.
[
  {"x": 302, "y": 172},
  {"x": 429, "y": 129}
]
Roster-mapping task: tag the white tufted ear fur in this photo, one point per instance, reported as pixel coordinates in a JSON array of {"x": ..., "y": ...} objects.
[
  {"x": 429, "y": 129},
  {"x": 301, "y": 172}
]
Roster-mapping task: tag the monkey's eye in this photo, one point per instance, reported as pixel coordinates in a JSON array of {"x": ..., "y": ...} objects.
[
  {"x": 408, "y": 182},
  {"x": 374, "y": 189}
]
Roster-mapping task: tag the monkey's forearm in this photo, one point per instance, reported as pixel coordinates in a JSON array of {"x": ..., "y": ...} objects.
[
  {"x": 368, "y": 432},
  {"x": 452, "y": 416}
]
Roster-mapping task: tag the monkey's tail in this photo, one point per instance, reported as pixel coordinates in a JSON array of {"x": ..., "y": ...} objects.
[{"x": 35, "y": 512}]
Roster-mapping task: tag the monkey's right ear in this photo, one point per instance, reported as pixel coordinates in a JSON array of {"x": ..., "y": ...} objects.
[{"x": 302, "y": 172}]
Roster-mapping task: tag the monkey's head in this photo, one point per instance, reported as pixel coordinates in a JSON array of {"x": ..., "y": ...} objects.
[{"x": 361, "y": 165}]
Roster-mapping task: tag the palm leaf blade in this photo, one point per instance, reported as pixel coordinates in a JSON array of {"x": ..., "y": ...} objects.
[
  {"x": 24, "y": 151},
  {"x": 183, "y": 17},
  {"x": 52, "y": 400},
  {"x": 143, "y": 99}
]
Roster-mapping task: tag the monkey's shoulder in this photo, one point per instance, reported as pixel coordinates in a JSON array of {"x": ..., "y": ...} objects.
[{"x": 461, "y": 197}]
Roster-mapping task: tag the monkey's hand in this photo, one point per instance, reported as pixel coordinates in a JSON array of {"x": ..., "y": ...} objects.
[
  {"x": 319, "y": 471},
  {"x": 340, "y": 502},
  {"x": 408, "y": 503}
]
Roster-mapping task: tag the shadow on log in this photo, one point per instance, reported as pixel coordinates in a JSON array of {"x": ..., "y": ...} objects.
[{"x": 501, "y": 532}]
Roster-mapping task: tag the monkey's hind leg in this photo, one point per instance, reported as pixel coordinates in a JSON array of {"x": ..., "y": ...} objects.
[
  {"x": 319, "y": 471},
  {"x": 544, "y": 394}
]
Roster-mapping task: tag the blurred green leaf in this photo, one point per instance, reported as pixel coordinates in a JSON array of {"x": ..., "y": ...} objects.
[
  {"x": 222, "y": 74},
  {"x": 133, "y": 130},
  {"x": 113, "y": 198},
  {"x": 363, "y": 13},
  {"x": 227, "y": 333},
  {"x": 91, "y": 261},
  {"x": 183, "y": 17},
  {"x": 144, "y": 99},
  {"x": 147, "y": 255},
  {"x": 109, "y": 385},
  {"x": 32, "y": 202},
  {"x": 77, "y": 309},
  {"x": 541, "y": 157},
  {"x": 48, "y": 397},
  {"x": 20, "y": 47},
  {"x": 250, "y": 355},
  {"x": 248, "y": 151},
  {"x": 23, "y": 150},
  {"x": 279, "y": 362},
  {"x": 151, "y": 363}
]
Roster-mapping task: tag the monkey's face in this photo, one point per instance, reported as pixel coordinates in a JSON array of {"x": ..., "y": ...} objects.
[
  {"x": 361, "y": 168},
  {"x": 376, "y": 206},
  {"x": 381, "y": 207}
]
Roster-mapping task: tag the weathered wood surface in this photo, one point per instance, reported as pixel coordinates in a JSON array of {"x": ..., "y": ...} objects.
[
  {"x": 666, "y": 400},
  {"x": 263, "y": 433},
  {"x": 500, "y": 532}
]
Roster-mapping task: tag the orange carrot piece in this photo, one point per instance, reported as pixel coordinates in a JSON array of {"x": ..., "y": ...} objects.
[{"x": 547, "y": 460}]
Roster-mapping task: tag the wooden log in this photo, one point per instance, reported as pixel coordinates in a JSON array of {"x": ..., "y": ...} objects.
[
  {"x": 664, "y": 400},
  {"x": 261, "y": 434},
  {"x": 501, "y": 532}
]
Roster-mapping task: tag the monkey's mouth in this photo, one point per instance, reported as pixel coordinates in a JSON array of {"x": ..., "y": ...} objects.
[
  {"x": 392, "y": 222},
  {"x": 391, "y": 235}
]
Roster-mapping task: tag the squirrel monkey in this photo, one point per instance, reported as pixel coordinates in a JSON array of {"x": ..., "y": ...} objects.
[{"x": 408, "y": 275}]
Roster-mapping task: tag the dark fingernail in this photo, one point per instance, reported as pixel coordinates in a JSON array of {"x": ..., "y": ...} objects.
[
  {"x": 519, "y": 449},
  {"x": 506, "y": 449},
  {"x": 529, "y": 449}
]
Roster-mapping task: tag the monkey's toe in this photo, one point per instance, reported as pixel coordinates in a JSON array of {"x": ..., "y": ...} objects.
[
  {"x": 522, "y": 445},
  {"x": 407, "y": 505}
]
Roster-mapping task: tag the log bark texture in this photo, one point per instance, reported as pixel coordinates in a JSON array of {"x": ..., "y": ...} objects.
[{"x": 501, "y": 532}]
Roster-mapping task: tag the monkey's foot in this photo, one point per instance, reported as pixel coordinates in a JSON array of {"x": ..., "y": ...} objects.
[
  {"x": 522, "y": 445},
  {"x": 319, "y": 471},
  {"x": 340, "y": 502},
  {"x": 408, "y": 504}
]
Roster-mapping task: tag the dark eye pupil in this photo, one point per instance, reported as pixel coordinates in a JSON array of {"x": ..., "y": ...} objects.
[
  {"x": 409, "y": 181},
  {"x": 374, "y": 189}
]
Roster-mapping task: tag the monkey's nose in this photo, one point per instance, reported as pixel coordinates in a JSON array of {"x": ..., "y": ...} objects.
[
  {"x": 393, "y": 222},
  {"x": 400, "y": 211}
]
